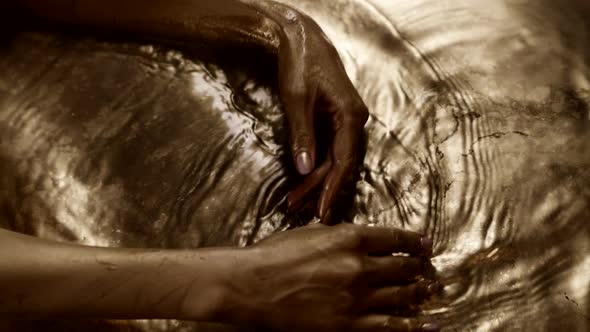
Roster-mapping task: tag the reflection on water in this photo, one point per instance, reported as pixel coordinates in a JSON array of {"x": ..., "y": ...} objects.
[{"x": 478, "y": 136}]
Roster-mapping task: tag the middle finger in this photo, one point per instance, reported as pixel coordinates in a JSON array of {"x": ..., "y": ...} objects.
[{"x": 386, "y": 270}]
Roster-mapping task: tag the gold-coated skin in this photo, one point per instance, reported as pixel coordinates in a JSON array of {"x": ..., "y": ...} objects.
[
  {"x": 478, "y": 137},
  {"x": 339, "y": 274}
]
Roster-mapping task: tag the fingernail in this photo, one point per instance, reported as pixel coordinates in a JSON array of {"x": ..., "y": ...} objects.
[
  {"x": 303, "y": 163},
  {"x": 435, "y": 288},
  {"x": 430, "y": 327},
  {"x": 427, "y": 245}
]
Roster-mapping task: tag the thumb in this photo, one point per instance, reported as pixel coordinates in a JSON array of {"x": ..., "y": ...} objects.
[
  {"x": 300, "y": 114},
  {"x": 303, "y": 151}
]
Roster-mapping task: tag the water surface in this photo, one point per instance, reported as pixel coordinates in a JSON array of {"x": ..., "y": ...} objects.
[{"x": 479, "y": 136}]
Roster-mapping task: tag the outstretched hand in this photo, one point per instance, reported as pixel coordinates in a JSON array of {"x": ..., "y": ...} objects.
[
  {"x": 323, "y": 108},
  {"x": 334, "y": 279}
]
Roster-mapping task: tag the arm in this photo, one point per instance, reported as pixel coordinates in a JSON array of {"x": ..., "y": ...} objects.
[
  {"x": 314, "y": 278},
  {"x": 219, "y": 21},
  {"x": 42, "y": 279},
  {"x": 313, "y": 83}
]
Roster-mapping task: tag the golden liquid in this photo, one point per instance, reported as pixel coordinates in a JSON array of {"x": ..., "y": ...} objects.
[{"x": 479, "y": 136}]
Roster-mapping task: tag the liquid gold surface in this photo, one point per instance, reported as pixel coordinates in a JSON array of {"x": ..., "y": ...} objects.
[{"x": 479, "y": 136}]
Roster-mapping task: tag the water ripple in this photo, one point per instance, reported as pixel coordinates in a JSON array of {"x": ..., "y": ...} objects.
[{"x": 478, "y": 136}]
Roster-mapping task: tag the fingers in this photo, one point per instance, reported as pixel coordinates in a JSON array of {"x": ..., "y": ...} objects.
[
  {"x": 348, "y": 130},
  {"x": 390, "y": 269},
  {"x": 299, "y": 102},
  {"x": 385, "y": 323},
  {"x": 402, "y": 296},
  {"x": 309, "y": 185},
  {"x": 393, "y": 240}
]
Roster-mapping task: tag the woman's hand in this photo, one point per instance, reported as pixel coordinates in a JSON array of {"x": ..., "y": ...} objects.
[
  {"x": 316, "y": 278},
  {"x": 323, "y": 109},
  {"x": 325, "y": 279}
]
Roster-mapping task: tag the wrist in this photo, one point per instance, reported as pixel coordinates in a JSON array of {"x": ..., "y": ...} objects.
[
  {"x": 39, "y": 277},
  {"x": 240, "y": 289},
  {"x": 209, "y": 292},
  {"x": 284, "y": 22}
]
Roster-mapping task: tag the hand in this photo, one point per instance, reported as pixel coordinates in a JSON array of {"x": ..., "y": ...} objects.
[
  {"x": 341, "y": 278},
  {"x": 312, "y": 80},
  {"x": 313, "y": 87}
]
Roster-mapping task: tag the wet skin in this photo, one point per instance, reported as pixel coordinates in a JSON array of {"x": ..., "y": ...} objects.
[
  {"x": 313, "y": 83},
  {"x": 344, "y": 277}
]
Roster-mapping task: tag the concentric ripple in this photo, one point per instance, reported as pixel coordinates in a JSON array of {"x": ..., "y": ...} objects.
[{"x": 479, "y": 136}]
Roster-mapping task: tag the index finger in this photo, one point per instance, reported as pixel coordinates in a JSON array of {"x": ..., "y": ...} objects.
[{"x": 348, "y": 131}]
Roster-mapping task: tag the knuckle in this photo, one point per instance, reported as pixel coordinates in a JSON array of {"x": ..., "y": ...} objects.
[
  {"x": 351, "y": 234},
  {"x": 345, "y": 164},
  {"x": 416, "y": 264},
  {"x": 354, "y": 113},
  {"x": 411, "y": 269},
  {"x": 397, "y": 324},
  {"x": 315, "y": 225},
  {"x": 390, "y": 324},
  {"x": 394, "y": 293},
  {"x": 302, "y": 138},
  {"x": 396, "y": 236},
  {"x": 359, "y": 113},
  {"x": 406, "y": 323},
  {"x": 362, "y": 112},
  {"x": 346, "y": 229},
  {"x": 408, "y": 264},
  {"x": 317, "y": 72},
  {"x": 418, "y": 290},
  {"x": 354, "y": 267},
  {"x": 404, "y": 265},
  {"x": 401, "y": 263},
  {"x": 294, "y": 17},
  {"x": 295, "y": 92}
]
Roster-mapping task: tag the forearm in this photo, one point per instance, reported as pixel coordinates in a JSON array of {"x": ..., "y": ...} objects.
[
  {"x": 244, "y": 22},
  {"x": 40, "y": 279}
]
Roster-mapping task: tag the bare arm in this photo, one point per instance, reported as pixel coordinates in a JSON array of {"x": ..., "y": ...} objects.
[
  {"x": 218, "y": 21},
  {"x": 312, "y": 79},
  {"x": 41, "y": 278},
  {"x": 316, "y": 278},
  {"x": 311, "y": 279},
  {"x": 45, "y": 279}
]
